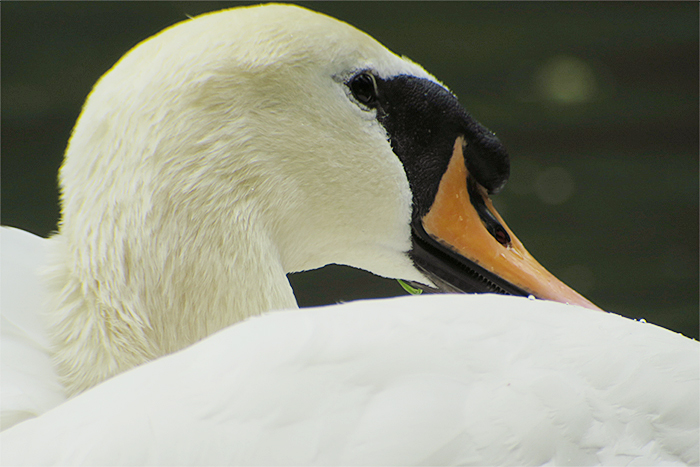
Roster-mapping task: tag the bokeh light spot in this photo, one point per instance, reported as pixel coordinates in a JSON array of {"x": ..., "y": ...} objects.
[{"x": 566, "y": 80}]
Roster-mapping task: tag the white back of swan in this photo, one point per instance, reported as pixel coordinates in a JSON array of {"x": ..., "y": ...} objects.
[
  {"x": 408, "y": 381},
  {"x": 29, "y": 384}
]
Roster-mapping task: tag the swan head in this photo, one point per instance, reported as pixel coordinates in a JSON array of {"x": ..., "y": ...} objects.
[{"x": 238, "y": 146}]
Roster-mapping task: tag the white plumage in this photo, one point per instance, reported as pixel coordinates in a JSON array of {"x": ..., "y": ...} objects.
[
  {"x": 429, "y": 380},
  {"x": 213, "y": 159},
  {"x": 29, "y": 385}
]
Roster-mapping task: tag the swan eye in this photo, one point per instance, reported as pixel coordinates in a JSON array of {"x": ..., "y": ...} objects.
[{"x": 364, "y": 89}]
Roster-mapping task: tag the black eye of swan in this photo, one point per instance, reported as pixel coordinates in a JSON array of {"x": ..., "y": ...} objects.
[{"x": 364, "y": 88}]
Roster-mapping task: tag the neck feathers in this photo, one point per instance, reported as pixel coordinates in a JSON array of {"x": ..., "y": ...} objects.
[{"x": 144, "y": 294}]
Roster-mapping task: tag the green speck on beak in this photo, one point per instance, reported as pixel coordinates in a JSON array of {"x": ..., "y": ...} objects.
[{"x": 409, "y": 289}]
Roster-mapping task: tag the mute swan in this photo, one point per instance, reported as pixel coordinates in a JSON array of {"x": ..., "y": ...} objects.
[{"x": 233, "y": 148}]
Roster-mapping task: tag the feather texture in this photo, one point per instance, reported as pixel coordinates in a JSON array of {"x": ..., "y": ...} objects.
[{"x": 429, "y": 380}]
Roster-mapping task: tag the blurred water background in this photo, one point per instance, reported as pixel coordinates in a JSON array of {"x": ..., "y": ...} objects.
[{"x": 597, "y": 104}]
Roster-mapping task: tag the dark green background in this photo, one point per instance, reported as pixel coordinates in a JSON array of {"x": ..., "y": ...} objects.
[{"x": 596, "y": 102}]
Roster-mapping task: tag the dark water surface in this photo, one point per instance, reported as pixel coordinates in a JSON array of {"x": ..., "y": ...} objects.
[{"x": 597, "y": 104}]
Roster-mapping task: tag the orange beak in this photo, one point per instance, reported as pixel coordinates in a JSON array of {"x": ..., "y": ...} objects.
[{"x": 454, "y": 222}]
